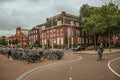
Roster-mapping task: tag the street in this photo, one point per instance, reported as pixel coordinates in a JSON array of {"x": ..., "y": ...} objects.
[
  {"x": 87, "y": 68},
  {"x": 71, "y": 67}
]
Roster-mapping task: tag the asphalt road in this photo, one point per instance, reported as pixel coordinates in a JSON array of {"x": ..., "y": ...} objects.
[{"x": 87, "y": 68}]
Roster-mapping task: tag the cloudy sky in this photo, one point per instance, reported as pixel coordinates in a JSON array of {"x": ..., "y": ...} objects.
[{"x": 29, "y": 13}]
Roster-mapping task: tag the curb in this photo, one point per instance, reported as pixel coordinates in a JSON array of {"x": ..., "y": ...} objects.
[
  {"x": 94, "y": 53},
  {"x": 43, "y": 67}
]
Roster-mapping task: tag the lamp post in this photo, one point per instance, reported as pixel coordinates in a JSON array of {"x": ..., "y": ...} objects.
[
  {"x": 68, "y": 37},
  {"x": 68, "y": 40},
  {"x": 82, "y": 22},
  {"x": 52, "y": 32},
  {"x": 71, "y": 34}
]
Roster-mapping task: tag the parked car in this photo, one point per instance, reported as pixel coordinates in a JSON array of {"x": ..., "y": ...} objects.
[
  {"x": 92, "y": 47},
  {"x": 79, "y": 48}
]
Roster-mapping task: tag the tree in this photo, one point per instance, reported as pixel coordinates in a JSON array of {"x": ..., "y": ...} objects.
[
  {"x": 100, "y": 20},
  {"x": 3, "y": 41},
  {"x": 16, "y": 41},
  {"x": 90, "y": 27},
  {"x": 87, "y": 18},
  {"x": 65, "y": 40},
  {"x": 13, "y": 41},
  {"x": 85, "y": 11},
  {"x": 110, "y": 14},
  {"x": 10, "y": 42}
]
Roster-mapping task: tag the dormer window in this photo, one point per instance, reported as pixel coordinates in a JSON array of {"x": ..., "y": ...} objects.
[
  {"x": 43, "y": 27},
  {"x": 77, "y": 24},
  {"x": 59, "y": 23},
  {"x": 72, "y": 23}
]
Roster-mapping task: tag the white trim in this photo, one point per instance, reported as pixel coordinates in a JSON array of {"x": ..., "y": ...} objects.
[{"x": 111, "y": 68}]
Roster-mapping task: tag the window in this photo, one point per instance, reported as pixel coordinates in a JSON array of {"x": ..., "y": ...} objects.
[
  {"x": 72, "y": 23},
  {"x": 61, "y": 31},
  {"x": 50, "y": 35},
  {"x": 69, "y": 31},
  {"x": 54, "y": 40},
  {"x": 77, "y": 24},
  {"x": 62, "y": 40},
  {"x": 54, "y": 34},
  {"x": 58, "y": 32},
  {"x": 43, "y": 27},
  {"x": 45, "y": 35},
  {"x": 36, "y": 37},
  {"x": 42, "y": 42},
  {"x": 42, "y": 35},
  {"x": 86, "y": 40},
  {"x": 58, "y": 41},
  {"x": 77, "y": 32},
  {"x": 59, "y": 23},
  {"x": 45, "y": 41},
  {"x": 82, "y": 33},
  {"x": 79, "y": 40},
  {"x": 47, "y": 31},
  {"x": 54, "y": 30},
  {"x": 29, "y": 37},
  {"x": 50, "y": 30}
]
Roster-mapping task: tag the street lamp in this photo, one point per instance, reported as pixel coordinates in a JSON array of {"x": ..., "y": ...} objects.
[
  {"x": 71, "y": 33},
  {"x": 68, "y": 40},
  {"x": 52, "y": 32},
  {"x": 70, "y": 29},
  {"x": 82, "y": 22}
]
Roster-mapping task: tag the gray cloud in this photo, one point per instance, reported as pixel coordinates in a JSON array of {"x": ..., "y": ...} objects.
[
  {"x": 29, "y": 13},
  {"x": 3, "y": 1}
]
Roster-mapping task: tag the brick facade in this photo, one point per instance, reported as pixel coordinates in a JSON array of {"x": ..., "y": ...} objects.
[
  {"x": 20, "y": 36},
  {"x": 56, "y": 29}
]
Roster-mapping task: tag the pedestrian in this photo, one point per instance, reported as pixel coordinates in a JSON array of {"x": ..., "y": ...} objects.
[
  {"x": 22, "y": 53},
  {"x": 10, "y": 55},
  {"x": 100, "y": 51}
]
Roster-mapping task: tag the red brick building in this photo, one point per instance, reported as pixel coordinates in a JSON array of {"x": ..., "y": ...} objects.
[
  {"x": 20, "y": 35},
  {"x": 114, "y": 39},
  {"x": 33, "y": 35},
  {"x": 60, "y": 30}
]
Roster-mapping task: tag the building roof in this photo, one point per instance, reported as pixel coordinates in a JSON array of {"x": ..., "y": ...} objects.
[
  {"x": 52, "y": 21},
  {"x": 25, "y": 31}
]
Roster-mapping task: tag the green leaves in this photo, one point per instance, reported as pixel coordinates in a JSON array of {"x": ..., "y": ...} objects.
[
  {"x": 99, "y": 19},
  {"x": 3, "y": 40}
]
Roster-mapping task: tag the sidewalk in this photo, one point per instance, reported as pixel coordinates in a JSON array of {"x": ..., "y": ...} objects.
[
  {"x": 12, "y": 70},
  {"x": 106, "y": 51}
]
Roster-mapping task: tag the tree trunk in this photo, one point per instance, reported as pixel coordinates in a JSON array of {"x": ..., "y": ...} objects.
[
  {"x": 109, "y": 39},
  {"x": 95, "y": 40}
]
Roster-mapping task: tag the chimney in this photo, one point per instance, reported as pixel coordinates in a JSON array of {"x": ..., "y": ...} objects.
[
  {"x": 18, "y": 28},
  {"x": 63, "y": 13},
  {"x": 47, "y": 19}
]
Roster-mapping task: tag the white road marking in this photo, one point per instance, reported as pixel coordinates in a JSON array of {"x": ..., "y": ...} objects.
[
  {"x": 111, "y": 68},
  {"x": 70, "y": 78},
  {"x": 70, "y": 67}
]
